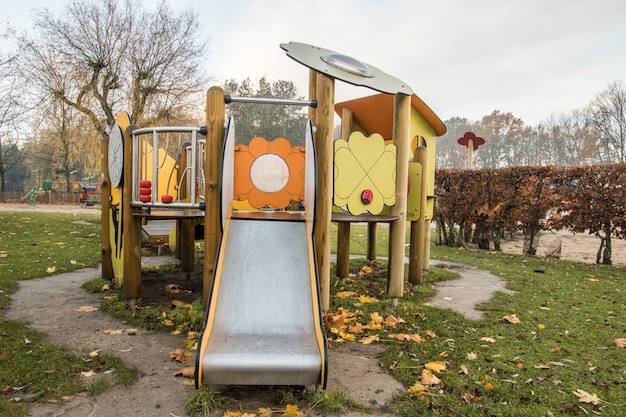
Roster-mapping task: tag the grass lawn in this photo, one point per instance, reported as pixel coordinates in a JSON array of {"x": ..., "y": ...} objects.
[
  {"x": 551, "y": 348},
  {"x": 37, "y": 245}
]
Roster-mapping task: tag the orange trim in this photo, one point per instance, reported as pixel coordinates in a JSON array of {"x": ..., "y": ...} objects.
[
  {"x": 374, "y": 114},
  {"x": 214, "y": 294}
]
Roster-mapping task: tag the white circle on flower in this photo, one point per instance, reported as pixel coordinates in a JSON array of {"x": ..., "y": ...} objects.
[{"x": 269, "y": 173}]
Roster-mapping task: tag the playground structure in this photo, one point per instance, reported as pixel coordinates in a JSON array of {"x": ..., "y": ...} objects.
[{"x": 266, "y": 265}]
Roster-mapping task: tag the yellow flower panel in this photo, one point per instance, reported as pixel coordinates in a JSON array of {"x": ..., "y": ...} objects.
[{"x": 364, "y": 173}]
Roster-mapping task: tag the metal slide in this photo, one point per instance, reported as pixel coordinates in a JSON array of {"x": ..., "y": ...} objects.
[{"x": 263, "y": 322}]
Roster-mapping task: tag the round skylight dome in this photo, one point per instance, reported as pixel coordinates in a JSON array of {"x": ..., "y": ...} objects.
[{"x": 348, "y": 64}]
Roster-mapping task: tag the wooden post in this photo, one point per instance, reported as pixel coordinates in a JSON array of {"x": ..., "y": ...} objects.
[
  {"x": 105, "y": 201},
  {"x": 324, "y": 118},
  {"x": 416, "y": 251},
  {"x": 371, "y": 241},
  {"x": 131, "y": 226},
  {"x": 343, "y": 228},
  {"x": 215, "y": 117},
  {"x": 397, "y": 228}
]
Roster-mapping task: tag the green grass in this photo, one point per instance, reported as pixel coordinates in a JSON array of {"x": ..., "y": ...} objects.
[
  {"x": 569, "y": 314},
  {"x": 37, "y": 245}
]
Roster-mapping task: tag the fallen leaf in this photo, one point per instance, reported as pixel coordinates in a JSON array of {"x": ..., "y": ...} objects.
[
  {"x": 365, "y": 299},
  {"x": 585, "y": 397},
  {"x": 436, "y": 366},
  {"x": 471, "y": 356},
  {"x": 131, "y": 332},
  {"x": 5, "y": 356},
  {"x": 541, "y": 326},
  {"x": 186, "y": 372},
  {"x": 431, "y": 334},
  {"x": 428, "y": 378},
  {"x": 181, "y": 355},
  {"x": 3, "y": 254},
  {"x": 94, "y": 353},
  {"x": 463, "y": 370},
  {"x": 356, "y": 329},
  {"x": 417, "y": 388},
  {"x": 87, "y": 374},
  {"x": 51, "y": 269},
  {"x": 87, "y": 309},
  {"x": 512, "y": 319},
  {"x": 173, "y": 288},
  {"x": 391, "y": 321},
  {"x": 620, "y": 343},
  {"x": 594, "y": 280},
  {"x": 113, "y": 331},
  {"x": 448, "y": 298},
  {"x": 370, "y": 339},
  {"x": 488, "y": 339},
  {"x": 542, "y": 366},
  {"x": 346, "y": 294}
]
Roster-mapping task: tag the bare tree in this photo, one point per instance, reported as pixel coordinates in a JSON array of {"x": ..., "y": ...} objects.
[
  {"x": 449, "y": 153},
  {"x": 608, "y": 119},
  {"x": 103, "y": 56},
  {"x": 10, "y": 89},
  {"x": 502, "y": 132}
]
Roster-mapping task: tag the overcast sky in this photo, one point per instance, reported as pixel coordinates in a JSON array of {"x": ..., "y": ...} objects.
[{"x": 467, "y": 58}]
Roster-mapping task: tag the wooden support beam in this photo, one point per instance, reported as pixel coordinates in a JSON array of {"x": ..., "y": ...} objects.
[
  {"x": 343, "y": 228},
  {"x": 397, "y": 228},
  {"x": 324, "y": 120},
  {"x": 131, "y": 227},
  {"x": 215, "y": 118}
]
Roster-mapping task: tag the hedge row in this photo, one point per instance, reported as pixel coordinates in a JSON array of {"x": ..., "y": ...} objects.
[{"x": 479, "y": 205}]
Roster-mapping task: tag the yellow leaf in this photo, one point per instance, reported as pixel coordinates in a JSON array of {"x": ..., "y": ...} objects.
[
  {"x": 370, "y": 339},
  {"x": 512, "y": 319},
  {"x": 365, "y": 299},
  {"x": 86, "y": 309},
  {"x": 541, "y": 326},
  {"x": 87, "y": 374},
  {"x": 366, "y": 269},
  {"x": 131, "y": 332},
  {"x": 488, "y": 339},
  {"x": 377, "y": 318},
  {"x": 346, "y": 294},
  {"x": 346, "y": 336},
  {"x": 594, "y": 280},
  {"x": 585, "y": 397},
  {"x": 51, "y": 269},
  {"x": 620, "y": 343},
  {"x": 113, "y": 331},
  {"x": 463, "y": 370},
  {"x": 94, "y": 353},
  {"x": 436, "y": 366},
  {"x": 417, "y": 388},
  {"x": 291, "y": 411},
  {"x": 471, "y": 356},
  {"x": 265, "y": 412},
  {"x": 432, "y": 334}
]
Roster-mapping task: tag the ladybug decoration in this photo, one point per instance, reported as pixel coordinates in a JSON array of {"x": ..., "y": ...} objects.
[{"x": 367, "y": 196}]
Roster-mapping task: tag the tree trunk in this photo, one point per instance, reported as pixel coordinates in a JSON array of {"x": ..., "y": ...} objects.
[
  {"x": 608, "y": 247},
  {"x": 531, "y": 241}
]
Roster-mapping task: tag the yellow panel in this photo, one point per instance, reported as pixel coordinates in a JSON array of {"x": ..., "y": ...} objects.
[
  {"x": 364, "y": 173},
  {"x": 116, "y": 216},
  {"x": 415, "y": 192}
]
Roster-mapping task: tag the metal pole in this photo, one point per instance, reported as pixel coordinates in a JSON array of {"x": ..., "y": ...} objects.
[{"x": 269, "y": 100}]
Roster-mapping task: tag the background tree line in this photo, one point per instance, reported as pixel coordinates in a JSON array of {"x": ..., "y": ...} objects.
[
  {"x": 595, "y": 134},
  {"x": 479, "y": 206}
]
